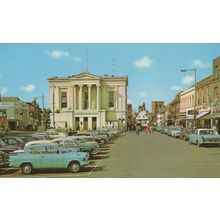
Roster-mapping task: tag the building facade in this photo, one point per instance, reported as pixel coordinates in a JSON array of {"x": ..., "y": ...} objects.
[
  {"x": 157, "y": 112},
  {"x": 213, "y": 96},
  {"x": 157, "y": 107},
  {"x": 130, "y": 117},
  {"x": 34, "y": 115},
  {"x": 142, "y": 118},
  {"x": 187, "y": 107},
  {"x": 17, "y": 112},
  {"x": 87, "y": 101}
]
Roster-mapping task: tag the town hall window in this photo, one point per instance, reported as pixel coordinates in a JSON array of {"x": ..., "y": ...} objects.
[
  {"x": 111, "y": 99},
  {"x": 63, "y": 99}
]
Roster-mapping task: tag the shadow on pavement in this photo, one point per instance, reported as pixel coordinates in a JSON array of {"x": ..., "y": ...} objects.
[
  {"x": 103, "y": 152},
  {"x": 99, "y": 157},
  {"x": 8, "y": 171}
]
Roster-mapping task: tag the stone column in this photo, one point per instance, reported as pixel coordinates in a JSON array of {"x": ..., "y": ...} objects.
[
  {"x": 98, "y": 122},
  {"x": 89, "y": 96},
  {"x": 89, "y": 123},
  {"x": 74, "y": 97},
  {"x": 70, "y": 98},
  {"x": 80, "y": 97},
  {"x": 97, "y": 96}
]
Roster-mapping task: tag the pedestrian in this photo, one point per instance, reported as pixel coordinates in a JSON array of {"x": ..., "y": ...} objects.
[{"x": 137, "y": 130}]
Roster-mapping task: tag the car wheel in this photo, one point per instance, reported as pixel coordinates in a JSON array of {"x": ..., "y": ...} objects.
[
  {"x": 26, "y": 168},
  {"x": 74, "y": 167}
]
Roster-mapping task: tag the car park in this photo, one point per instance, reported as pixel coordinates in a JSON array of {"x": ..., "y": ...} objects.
[
  {"x": 205, "y": 137},
  {"x": 45, "y": 156}
]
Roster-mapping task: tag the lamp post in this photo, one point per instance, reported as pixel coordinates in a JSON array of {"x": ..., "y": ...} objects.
[
  {"x": 43, "y": 111},
  {"x": 193, "y": 70}
]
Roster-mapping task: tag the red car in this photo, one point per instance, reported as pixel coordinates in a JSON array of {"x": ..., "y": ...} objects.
[{"x": 184, "y": 134}]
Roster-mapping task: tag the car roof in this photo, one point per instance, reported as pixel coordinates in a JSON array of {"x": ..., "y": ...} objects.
[
  {"x": 205, "y": 129},
  {"x": 44, "y": 145},
  {"x": 37, "y": 142}
]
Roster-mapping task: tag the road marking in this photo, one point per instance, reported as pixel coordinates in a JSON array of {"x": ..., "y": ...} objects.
[{"x": 94, "y": 168}]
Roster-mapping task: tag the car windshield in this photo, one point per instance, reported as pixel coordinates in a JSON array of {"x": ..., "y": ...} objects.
[
  {"x": 207, "y": 132},
  {"x": 10, "y": 141},
  {"x": 70, "y": 142}
]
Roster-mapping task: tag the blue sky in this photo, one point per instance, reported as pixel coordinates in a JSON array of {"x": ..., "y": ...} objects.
[{"x": 153, "y": 70}]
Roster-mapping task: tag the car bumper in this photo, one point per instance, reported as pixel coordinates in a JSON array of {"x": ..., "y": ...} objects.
[
  {"x": 210, "y": 144},
  {"x": 84, "y": 163},
  {"x": 96, "y": 151}
]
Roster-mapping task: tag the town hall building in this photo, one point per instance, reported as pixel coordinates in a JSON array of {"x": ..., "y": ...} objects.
[{"x": 87, "y": 101}]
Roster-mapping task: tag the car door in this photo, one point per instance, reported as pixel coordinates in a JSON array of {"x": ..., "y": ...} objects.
[
  {"x": 34, "y": 156},
  {"x": 52, "y": 158}
]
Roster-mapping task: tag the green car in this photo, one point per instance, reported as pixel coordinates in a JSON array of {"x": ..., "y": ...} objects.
[{"x": 47, "y": 156}]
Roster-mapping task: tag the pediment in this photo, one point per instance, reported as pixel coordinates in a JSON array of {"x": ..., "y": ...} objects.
[{"x": 85, "y": 75}]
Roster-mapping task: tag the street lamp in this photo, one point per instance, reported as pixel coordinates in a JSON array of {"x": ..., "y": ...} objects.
[
  {"x": 42, "y": 97},
  {"x": 193, "y": 70}
]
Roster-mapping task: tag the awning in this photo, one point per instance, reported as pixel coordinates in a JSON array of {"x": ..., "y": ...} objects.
[
  {"x": 211, "y": 116},
  {"x": 180, "y": 118},
  {"x": 189, "y": 117},
  {"x": 201, "y": 114}
]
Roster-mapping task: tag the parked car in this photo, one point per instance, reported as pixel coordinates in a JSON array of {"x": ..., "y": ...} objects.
[
  {"x": 37, "y": 142},
  {"x": 175, "y": 132},
  {"x": 7, "y": 148},
  {"x": 97, "y": 137},
  {"x": 91, "y": 148},
  {"x": 41, "y": 136},
  {"x": 26, "y": 139},
  {"x": 47, "y": 156},
  {"x": 55, "y": 134},
  {"x": 4, "y": 159},
  {"x": 184, "y": 134},
  {"x": 3, "y": 131},
  {"x": 208, "y": 137},
  {"x": 168, "y": 131},
  {"x": 9, "y": 140}
]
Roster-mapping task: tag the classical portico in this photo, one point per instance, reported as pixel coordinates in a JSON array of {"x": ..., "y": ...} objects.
[{"x": 86, "y": 101}]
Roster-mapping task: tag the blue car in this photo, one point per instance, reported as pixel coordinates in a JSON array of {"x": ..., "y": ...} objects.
[
  {"x": 47, "y": 156},
  {"x": 202, "y": 137}
]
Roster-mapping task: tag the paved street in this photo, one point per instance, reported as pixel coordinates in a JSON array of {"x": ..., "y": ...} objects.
[{"x": 144, "y": 155}]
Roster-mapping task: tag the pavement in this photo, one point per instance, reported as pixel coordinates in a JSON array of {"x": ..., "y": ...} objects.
[{"x": 142, "y": 156}]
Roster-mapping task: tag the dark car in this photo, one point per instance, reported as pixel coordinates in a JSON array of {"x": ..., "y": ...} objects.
[
  {"x": 7, "y": 148},
  {"x": 26, "y": 139},
  {"x": 13, "y": 141}
]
